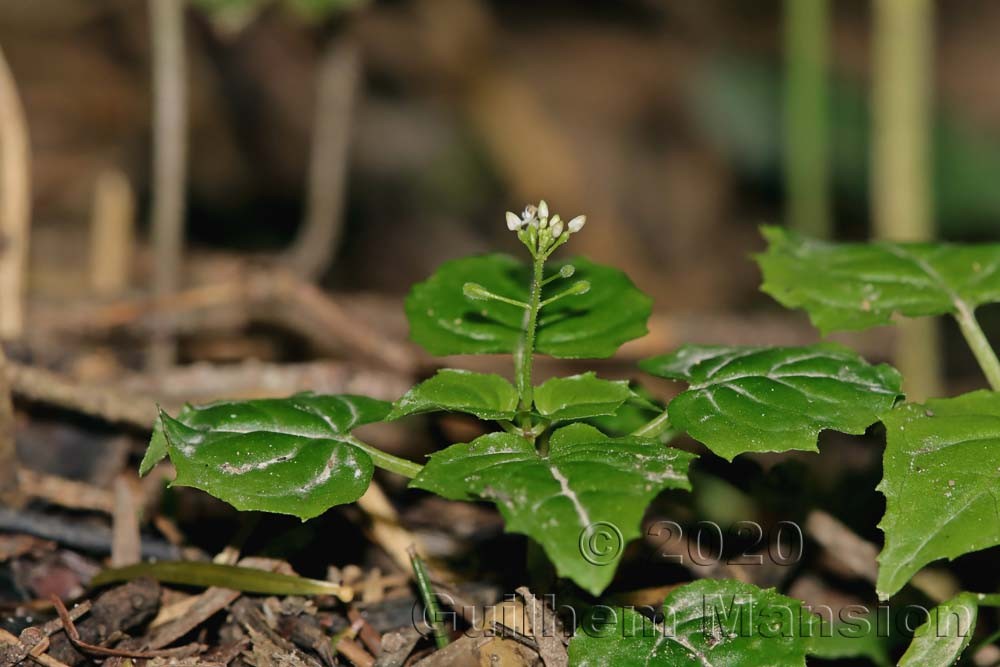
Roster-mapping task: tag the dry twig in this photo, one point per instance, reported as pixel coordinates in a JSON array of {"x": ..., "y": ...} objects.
[
  {"x": 9, "y": 488},
  {"x": 64, "y": 492},
  {"x": 38, "y": 384}
]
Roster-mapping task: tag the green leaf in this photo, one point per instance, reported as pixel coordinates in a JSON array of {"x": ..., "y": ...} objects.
[
  {"x": 486, "y": 395},
  {"x": 580, "y": 396},
  {"x": 157, "y": 450},
  {"x": 861, "y": 285},
  {"x": 289, "y": 456},
  {"x": 857, "y": 639},
  {"x": 586, "y": 496},
  {"x": 941, "y": 640},
  {"x": 444, "y": 321},
  {"x": 941, "y": 476},
  {"x": 708, "y": 623},
  {"x": 773, "y": 399}
]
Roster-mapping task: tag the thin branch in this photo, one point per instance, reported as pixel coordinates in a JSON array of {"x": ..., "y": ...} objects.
[
  {"x": 69, "y": 493},
  {"x": 336, "y": 89},
  {"x": 15, "y": 204},
  {"x": 166, "y": 26},
  {"x": 38, "y": 384},
  {"x": 9, "y": 486}
]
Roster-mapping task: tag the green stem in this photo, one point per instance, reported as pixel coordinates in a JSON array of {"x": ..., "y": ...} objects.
[
  {"x": 988, "y": 599},
  {"x": 524, "y": 354},
  {"x": 510, "y": 427},
  {"x": 429, "y": 598},
  {"x": 543, "y": 443},
  {"x": 980, "y": 347},
  {"x": 526, "y": 429},
  {"x": 807, "y": 175},
  {"x": 654, "y": 427},
  {"x": 387, "y": 461}
]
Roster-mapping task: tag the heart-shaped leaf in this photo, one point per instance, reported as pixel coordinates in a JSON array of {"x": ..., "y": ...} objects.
[
  {"x": 582, "y": 501},
  {"x": 580, "y": 396},
  {"x": 445, "y": 321},
  {"x": 860, "y": 285},
  {"x": 773, "y": 399},
  {"x": 486, "y": 395},
  {"x": 941, "y": 640},
  {"x": 289, "y": 456},
  {"x": 940, "y": 477},
  {"x": 708, "y": 623}
]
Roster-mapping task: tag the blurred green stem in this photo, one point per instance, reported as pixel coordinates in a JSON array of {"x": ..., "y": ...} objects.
[
  {"x": 806, "y": 168},
  {"x": 901, "y": 194}
]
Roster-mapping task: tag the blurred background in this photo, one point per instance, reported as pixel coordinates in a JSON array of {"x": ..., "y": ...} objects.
[{"x": 667, "y": 123}]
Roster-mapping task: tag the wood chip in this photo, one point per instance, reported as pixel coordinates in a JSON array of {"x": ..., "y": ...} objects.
[
  {"x": 396, "y": 647},
  {"x": 546, "y": 629},
  {"x": 126, "y": 544}
]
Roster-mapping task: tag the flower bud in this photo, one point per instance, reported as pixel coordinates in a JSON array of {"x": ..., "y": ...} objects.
[
  {"x": 543, "y": 209},
  {"x": 566, "y": 270},
  {"x": 557, "y": 229},
  {"x": 577, "y": 223},
  {"x": 476, "y": 291},
  {"x": 513, "y": 222},
  {"x": 579, "y": 287}
]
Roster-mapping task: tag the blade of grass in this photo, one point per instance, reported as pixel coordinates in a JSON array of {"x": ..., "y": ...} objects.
[
  {"x": 430, "y": 599},
  {"x": 246, "y": 579}
]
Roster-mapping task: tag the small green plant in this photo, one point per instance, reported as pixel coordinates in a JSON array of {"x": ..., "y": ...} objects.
[{"x": 558, "y": 464}]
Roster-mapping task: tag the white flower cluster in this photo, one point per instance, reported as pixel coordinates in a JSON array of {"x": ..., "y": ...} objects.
[{"x": 540, "y": 232}]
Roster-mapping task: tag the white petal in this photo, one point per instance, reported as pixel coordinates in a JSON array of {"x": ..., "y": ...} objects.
[
  {"x": 513, "y": 222},
  {"x": 577, "y": 223}
]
